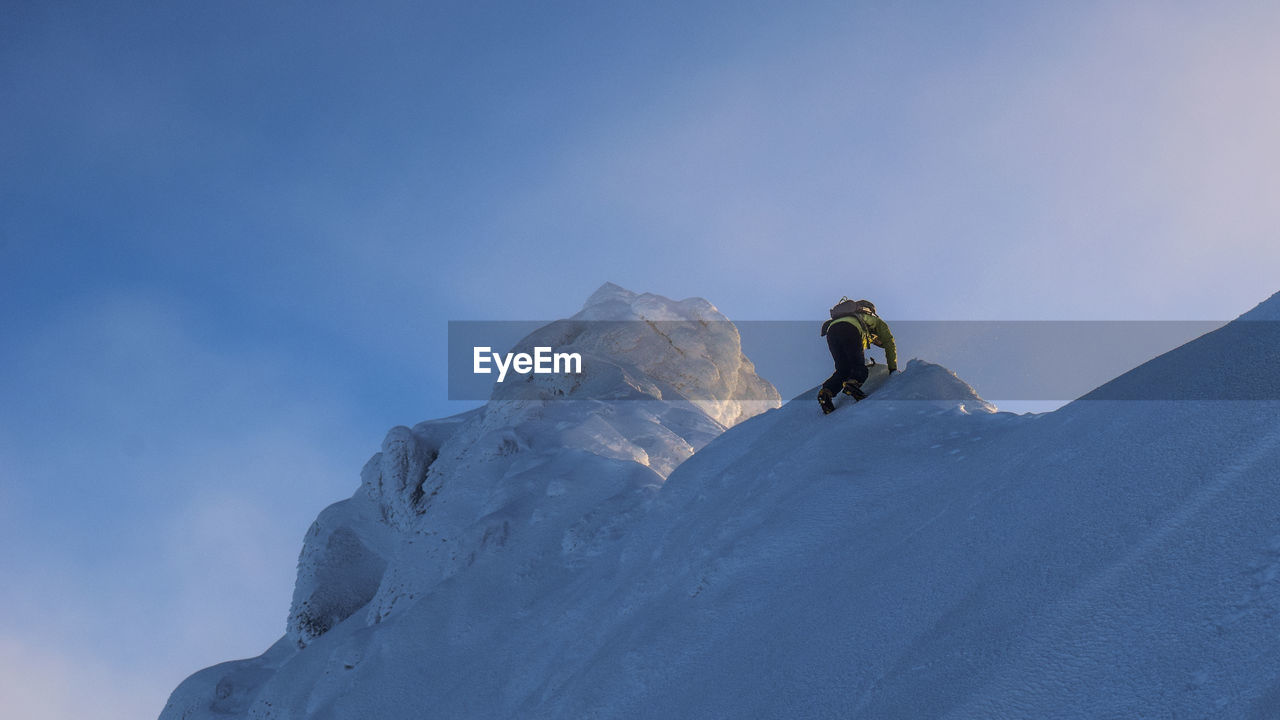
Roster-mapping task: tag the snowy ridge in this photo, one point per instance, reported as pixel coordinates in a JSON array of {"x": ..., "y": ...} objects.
[
  {"x": 1235, "y": 362},
  {"x": 899, "y": 558}
]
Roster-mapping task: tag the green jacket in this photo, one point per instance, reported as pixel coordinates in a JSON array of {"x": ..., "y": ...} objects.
[{"x": 874, "y": 331}]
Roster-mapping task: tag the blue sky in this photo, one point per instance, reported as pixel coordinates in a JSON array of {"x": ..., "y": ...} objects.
[{"x": 231, "y": 237}]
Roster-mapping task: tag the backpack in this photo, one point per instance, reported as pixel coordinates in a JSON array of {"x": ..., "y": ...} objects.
[{"x": 852, "y": 307}]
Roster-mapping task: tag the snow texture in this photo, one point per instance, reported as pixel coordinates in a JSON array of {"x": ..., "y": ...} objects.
[{"x": 667, "y": 557}]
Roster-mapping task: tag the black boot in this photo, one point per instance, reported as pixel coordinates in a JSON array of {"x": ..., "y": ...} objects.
[
  {"x": 854, "y": 388},
  {"x": 824, "y": 401}
]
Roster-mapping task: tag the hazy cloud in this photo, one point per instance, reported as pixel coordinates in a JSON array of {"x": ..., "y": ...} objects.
[
  {"x": 163, "y": 483},
  {"x": 1113, "y": 159}
]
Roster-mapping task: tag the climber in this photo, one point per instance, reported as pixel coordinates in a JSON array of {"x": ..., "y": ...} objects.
[{"x": 853, "y": 327}]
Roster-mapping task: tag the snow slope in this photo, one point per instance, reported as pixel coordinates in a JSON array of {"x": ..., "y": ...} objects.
[{"x": 903, "y": 557}]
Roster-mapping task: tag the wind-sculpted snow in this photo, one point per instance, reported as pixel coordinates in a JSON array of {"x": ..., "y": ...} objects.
[
  {"x": 549, "y": 472},
  {"x": 898, "y": 558}
]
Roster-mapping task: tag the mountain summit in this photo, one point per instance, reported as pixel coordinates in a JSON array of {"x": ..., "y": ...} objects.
[
  {"x": 625, "y": 548},
  {"x": 647, "y": 346}
]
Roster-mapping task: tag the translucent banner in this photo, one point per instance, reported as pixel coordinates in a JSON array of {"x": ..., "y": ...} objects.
[{"x": 1001, "y": 360}]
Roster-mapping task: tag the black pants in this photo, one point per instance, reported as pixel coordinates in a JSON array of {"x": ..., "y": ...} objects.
[{"x": 845, "y": 343}]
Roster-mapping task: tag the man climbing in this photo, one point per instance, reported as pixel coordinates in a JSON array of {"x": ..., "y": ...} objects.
[{"x": 853, "y": 327}]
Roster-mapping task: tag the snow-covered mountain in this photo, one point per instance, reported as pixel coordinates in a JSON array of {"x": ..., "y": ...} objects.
[{"x": 680, "y": 553}]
